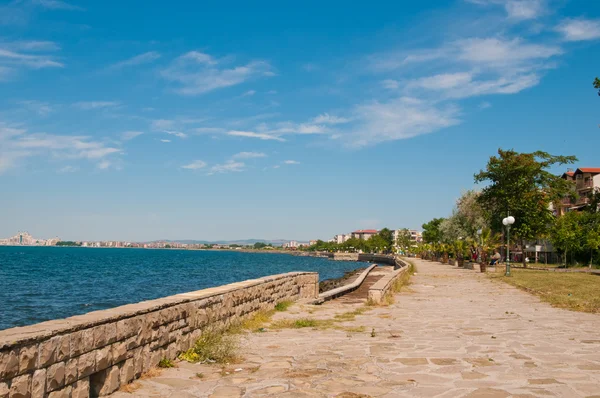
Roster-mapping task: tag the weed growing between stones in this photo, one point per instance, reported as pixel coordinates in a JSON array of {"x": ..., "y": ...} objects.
[
  {"x": 302, "y": 323},
  {"x": 213, "y": 347},
  {"x": 166, "y": 363},
  {"x": 283, "y": 305},
  {"x": 350, "y": 316}
]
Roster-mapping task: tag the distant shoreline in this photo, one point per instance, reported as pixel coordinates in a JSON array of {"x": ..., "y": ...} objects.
[{"x": 275, "y": 251}]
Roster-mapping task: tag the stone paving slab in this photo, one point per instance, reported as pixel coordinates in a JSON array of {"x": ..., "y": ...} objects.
[{"x": 452, "y": 333}]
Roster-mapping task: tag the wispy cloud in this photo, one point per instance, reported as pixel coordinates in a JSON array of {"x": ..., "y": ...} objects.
[
  {"x": 580, "y": 29},
  {"x": 140, "y": 59},
  {"x": 518, "y": 10},
  {"x": 397, "y": 119},
  {"x": 228, "y": 167},
  {"x": 291, "y": 162},
  {"x": 68, "y": 169},
  {"x": 129, "y": 135},
  {"x": 326, "y": 118},
  {"x": 251, "y": 134},
  {"x": 177, "y": 134},
  {"x": 249, "y": 155},
  {"x": 195, "y": 165},
  {"x": 248, "y": 93},
  {"x": 21, "y": 54},
  {"x": 39, "y": 107},
  {"x": 17, "y": 144},
  {"x": 198, "y": 73},
  {"x": 56, "y": 5},
  {"x": 163, "y": 140},
  {"x": 91, "y": 105}
]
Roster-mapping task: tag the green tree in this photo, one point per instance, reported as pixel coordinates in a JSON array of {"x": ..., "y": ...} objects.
[
  {"x": 519, "y": 184},
  {"x": 566, "y": 233},
  {"x": 388, "y": 236},
  {"x": 403, "y": 241},
  {"x": 597, "y": 85},
  {"x": 259, "y": 245},
  {"x": 431, "y": 231}
]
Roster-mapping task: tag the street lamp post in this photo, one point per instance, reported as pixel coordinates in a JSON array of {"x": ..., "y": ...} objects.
[
  {"x": 507, "y": 222},
  {"x": 479, "y": 232}
]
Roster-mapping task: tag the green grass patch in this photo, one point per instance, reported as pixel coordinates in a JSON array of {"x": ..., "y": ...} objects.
[
  {"x": 302, "y": 323},
  {"x": 283, "y": 305},
  {"x": 166, "y": 363},
  {"x": 213, "y": 346},
  {"x": 575, "y": 291},
  {"x": 351, "y": 315}
]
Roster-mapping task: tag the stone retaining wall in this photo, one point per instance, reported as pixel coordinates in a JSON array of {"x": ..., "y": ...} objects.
[
  {"x": 380, "y": 288},
  {"x": 345, "y": 256},
  {"x": 95, "y": 353}
]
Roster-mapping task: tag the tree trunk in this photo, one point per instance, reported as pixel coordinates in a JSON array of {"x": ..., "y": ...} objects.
[{"x": 523, "y": 253}]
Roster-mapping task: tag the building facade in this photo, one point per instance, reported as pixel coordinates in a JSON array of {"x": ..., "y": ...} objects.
[{"x": 586, "y": 180}]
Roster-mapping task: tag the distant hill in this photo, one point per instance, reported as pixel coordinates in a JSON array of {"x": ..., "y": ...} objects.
[{"x": 274, "y": 242}]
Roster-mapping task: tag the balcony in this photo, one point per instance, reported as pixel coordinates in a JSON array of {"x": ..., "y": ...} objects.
[
  {"x": 581, "y": 201},
  {"x": 581, "y": 185}
]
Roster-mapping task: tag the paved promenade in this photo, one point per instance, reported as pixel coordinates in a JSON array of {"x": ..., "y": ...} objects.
[{"x": 452, "y": 333}]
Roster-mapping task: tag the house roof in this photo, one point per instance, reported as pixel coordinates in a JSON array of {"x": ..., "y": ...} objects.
[
  {"x": 593, "y": 170},
  {"x": 569, "y": 173},
  {"x": 365, "y": 231}
]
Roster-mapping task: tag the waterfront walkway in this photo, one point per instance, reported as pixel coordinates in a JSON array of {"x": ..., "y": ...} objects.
[{"x": 452, "y": 333}]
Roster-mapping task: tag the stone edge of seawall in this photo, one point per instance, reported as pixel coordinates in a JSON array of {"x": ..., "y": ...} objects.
[
  {"x": 340, "y": 291},
  {"x": 380, "y": 288},
  {"x": 97, "y": 352}
]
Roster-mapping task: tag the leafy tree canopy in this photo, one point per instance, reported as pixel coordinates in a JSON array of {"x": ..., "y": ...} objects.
[
  {"x": 520, "y": 184},
  {"x": 431, "y": 231}
]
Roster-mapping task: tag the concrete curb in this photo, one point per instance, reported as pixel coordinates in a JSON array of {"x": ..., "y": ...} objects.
[{"x": 340, "y": 291}]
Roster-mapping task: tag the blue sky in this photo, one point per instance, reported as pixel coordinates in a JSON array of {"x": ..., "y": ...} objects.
[{"x": 230, "y": 121}]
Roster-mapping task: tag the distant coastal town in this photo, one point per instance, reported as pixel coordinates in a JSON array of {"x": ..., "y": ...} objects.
[{"x": 26, "y": 239}]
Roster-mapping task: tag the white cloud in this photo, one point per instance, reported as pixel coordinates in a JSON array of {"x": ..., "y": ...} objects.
[
  {"x": 518, "y": 10},
  {"x": 30, "y": 45},
  {"x": 496, "y": 52},
  {"x": 398, "y": 119},
  {"x": 579, "y": 29},
  {"x": 390, "y": 84},
  {"x": 17, "y": 144},
  {"x": 444, "y": 81},
  {"x": 41, "y": 108},
  {"x": 177, "y": 134},
  {"x": 91, "y": 105},
  {"x": 68, "y": 169},
  {"x": 195, "y": 165},
  {"x": 165, "y": 141},
  {"x": 251, "y": 134},
  {"x": 485, "y": 105},
  {"x": 248, "y": 155},
  {"x": 326, "y": 118},
  {"x": 205, "y": 130},
  {"x": 12, "y": 58},
  {"x": 55, "y": 5},
  {"x": 228, "y": 167},
  {"x": 198, "y": 73},
  {"x": 105, "y": 164},
  {"x": 162, "y": 124},
  {"x": 137, "y": 60},
  {"x": 129, "y": 135},
  {"x": 248, "y": 93},
  {"x": 291, "y": 162},
  {"x": 276, "y": 166}
]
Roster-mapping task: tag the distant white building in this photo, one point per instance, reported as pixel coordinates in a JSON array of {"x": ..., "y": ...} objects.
[{"x": 415, "y": 236}]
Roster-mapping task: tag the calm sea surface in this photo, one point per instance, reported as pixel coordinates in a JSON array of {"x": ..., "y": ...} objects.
[{"x": 42, "y": 283}]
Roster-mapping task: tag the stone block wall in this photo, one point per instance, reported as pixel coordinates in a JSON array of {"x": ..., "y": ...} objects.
[
  {"x": 380, "y": 288},
  {"x": 94, "y": 354}
]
